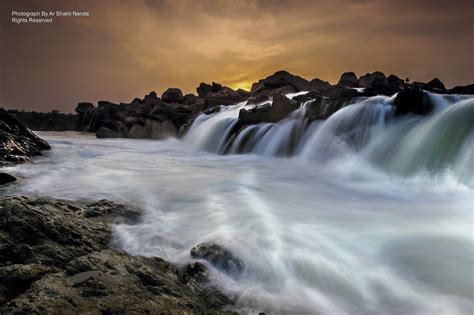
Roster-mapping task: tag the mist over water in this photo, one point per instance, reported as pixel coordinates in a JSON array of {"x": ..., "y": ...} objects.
[{"x": 364, "y": 213}]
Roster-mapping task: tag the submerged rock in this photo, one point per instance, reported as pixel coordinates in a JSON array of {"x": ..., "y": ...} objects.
[
  {"x": 56, "y": 258},
  {"x": 218, "y": 256}
]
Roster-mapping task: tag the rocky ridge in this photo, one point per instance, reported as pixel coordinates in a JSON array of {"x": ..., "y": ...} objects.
[
  {"x": 171, "y": 114},
  {"x": 58, "y": 257}
]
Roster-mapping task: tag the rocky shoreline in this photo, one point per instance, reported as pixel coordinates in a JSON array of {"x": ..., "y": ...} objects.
[
  {"x": 171, "y": 114},
  {"x": 59, "y": 257}
]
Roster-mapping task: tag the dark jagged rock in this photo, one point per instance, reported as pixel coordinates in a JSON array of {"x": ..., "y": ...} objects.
[
  {"x": 203, "y": 89},
  {"x": 6, "y": 178},
  {"x": 466, "y": 89},
  {"x": 226, "y": 96},
  {"x": 56, "y": 258},
  {"x": 371, "y": 79},
  {"x": 412, "y": 100},
  {"x": 280, "y": 108},
  {"x": 435, "y": 85},
  {"x": 348, "y": 79},
  {"x": 319, "y": 84},
  {"x": 218, "y": 256},
  {"x": 281, "y": 79},
  {"x": 172, "y": 95},
  {"x": 18, "y": 143}
]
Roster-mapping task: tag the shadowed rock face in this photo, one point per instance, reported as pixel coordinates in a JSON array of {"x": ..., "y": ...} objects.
[
  {"x": 56, "y": 258},
  {"x": 18, "y": 143}
]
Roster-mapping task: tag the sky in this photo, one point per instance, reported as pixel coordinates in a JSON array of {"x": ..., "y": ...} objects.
[{"x": 125, "y": 49}]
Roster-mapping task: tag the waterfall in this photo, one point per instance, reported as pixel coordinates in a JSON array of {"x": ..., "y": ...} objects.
[{"x": 405, "y": 144}]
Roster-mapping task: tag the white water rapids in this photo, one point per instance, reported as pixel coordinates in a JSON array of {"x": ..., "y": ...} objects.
[{"x": 364, "y": 213}]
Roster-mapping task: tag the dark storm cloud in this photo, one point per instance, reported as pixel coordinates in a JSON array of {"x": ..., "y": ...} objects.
[{"x": 128, "y": 48}]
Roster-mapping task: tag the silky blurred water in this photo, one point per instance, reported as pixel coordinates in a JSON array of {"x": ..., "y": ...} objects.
[{"x": 348, "y": 230}]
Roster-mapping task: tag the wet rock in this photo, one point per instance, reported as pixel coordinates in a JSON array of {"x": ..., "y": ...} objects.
[
  {"x": 108, "y": 211},
  {"x": 18, "y": 143},
  {"x": 280, "y": 108},
  {"x": 348, "y": 79},
  {"x": 56, "y": 258},
  {"x": 6, "y": 178},
  {"x": 107, "y": 133},
  {"x": 281, "y": 79},
  {"x": 137, "y": 132},
  {"x": 412, "y": 100},
  {"x": 172, "y": 95},
  {"x": 218, "y": 256}
]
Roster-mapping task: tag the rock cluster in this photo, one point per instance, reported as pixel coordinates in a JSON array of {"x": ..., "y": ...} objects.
[
  {"x": 56, "y": 258},
  {"x": 171, "y": 114}
]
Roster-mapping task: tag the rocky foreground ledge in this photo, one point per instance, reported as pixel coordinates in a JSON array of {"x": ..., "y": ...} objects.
[
  {"x": 170, "y": 115},
  {"x": 57, "y": 258}
]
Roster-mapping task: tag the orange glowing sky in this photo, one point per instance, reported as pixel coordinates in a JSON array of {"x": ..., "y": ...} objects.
[{"x": 127, "y": 48}]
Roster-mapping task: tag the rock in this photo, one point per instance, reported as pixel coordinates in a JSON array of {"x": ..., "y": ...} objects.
[
  {"x": 83, "y": 107},
  {"x": 203, "y": 89},
  {"x": 218, "y": 256},
  {"x": 56, "y": 259},
  {"x": 371, "y": 78},
  {"x": 434, "y": 85},
  {"x": 258, "y": 99},
  {"x": 172, "y": 95},
  {"x": 107, "y": 133},
  {"x": 6, "y": 178},
  {"x": 226, "y": 96},
  {"x": 280, "y": 79},
  {"x": 348, "y": 79},
  {"x": 151, "y": 98},
  {"x": 393, "y": 78},
  {"x": 412, "y": 100},
  {"x": 467, "y": 89},
  {"x": 108, "y": 211},
  {"x": 163, "y": 130},
  {"x": 18, "y": 143},
  {"x": 319, "y": 84},
  {"x": 137, "y": 132},
  {"x": 280, "y": 108},
  {"x": 190, "y": 99},
  {"x": 52, "y": 121}
]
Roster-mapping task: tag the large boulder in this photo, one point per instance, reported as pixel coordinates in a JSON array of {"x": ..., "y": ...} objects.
[
  {"x": 17, "y": 143},
  {"x": 371, "y": 78},
  {"x": 348, "y": 79},
  {"x": 172, "y": 95},
  {"x": 281, "y": 79},
  {"x": 412, "y": 101},
  {"x": 317, "y": 83}
]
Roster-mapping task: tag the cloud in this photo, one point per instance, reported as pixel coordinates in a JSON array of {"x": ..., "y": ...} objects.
[{"x": 128, "y": 48}]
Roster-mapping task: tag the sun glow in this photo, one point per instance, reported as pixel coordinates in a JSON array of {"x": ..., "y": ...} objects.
[{"x": 242, "y": 85}]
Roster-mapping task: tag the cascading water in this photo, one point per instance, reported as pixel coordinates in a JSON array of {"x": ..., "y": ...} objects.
[
  {"x": 372, "y": 214},
  {"x": 441, "y": 140}
]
